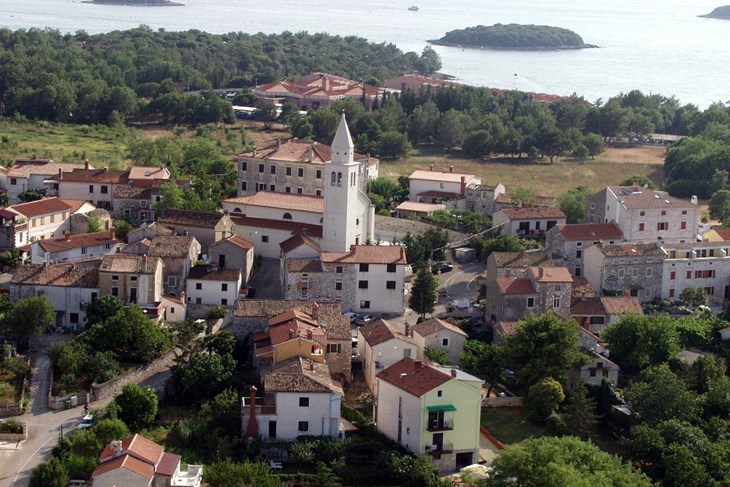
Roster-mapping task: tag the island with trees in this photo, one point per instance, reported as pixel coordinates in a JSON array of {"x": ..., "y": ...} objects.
[
  {"x": 513, "y": 36},
  {"x": 719, "y": 13},
  {"x": 138, "y": 3}
]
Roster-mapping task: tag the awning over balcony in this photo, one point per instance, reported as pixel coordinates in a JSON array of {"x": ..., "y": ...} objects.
[{"x": 443, "y": 407}]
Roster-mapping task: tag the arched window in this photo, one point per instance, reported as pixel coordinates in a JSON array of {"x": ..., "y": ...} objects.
[
  {"x": 237, "y": 210},
  {"x": 332, "y": 180},
  {"x": 287, "y": 216},
  {"x": 339, "y": 179}
]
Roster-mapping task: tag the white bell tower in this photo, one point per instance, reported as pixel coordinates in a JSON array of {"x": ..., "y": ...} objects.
[{"x": 346, "y": 208}]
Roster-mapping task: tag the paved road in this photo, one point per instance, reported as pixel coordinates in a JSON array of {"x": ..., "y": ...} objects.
[
  {"x": 266, "y": 281},
  {"x": 461, "y": 282},
  {"x": 44, "y": 424}
]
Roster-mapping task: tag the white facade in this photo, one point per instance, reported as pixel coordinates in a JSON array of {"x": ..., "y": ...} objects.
[
  {"x": 69, "y": 302},
  {"x": 91, "y": 252},
  {"x": 381, "y": 356},
  {"x": 349, "y": 216},
  {"x": 320, "y": 417},
  {"x": 703, "y": 265},
  {"x": 384, "y": 291},
  {"x": 430, "y": 186},
  {"x": 212, "y": 291}
]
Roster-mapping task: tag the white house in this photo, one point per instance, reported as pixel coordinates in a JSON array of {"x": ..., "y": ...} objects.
[
  {"x": 301, "y": 399},
  {"x": 69, "y": 287},
  {"x": 431, "y": 411},
  {"x": 703, "y": 265},
  {"x": 440, "y": 335},
  {"x": 175, "y": 307},
  {"x": 213, "y": 286},
  {"x": 31, "y": 174},
  {"x": 40, "y": 219},
  {"x": 74, "y": 248},
  {"x": 381, "y": 344},
  {"x": 440, "y": 187}
]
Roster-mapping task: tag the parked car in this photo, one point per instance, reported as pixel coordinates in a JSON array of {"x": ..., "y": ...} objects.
[
  {"x": 86, "y": 422},
  {"x": 367, "y": 319},
  {"x": 441, "y": 267},
  {"x": 353, "y": 317}
]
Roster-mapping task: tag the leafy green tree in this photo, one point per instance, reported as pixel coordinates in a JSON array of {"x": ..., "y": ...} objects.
[
  {"x": 29, "y": 195},
  {"x": 409, "y": 470},
  {"x": 103, "y": 308},
  {"x": 683, "y": 468},
  {"x": 561, "y": 462},
  {"x": 394, "y": 145},
  {"x": 324, "y": 124},
  {"x": 424, "y": 121},
  {"x": 478, "y": 144},
  {"x": 543, "y": 346},
  {"x": 660, "y": 396},
  {"x": 108, "y": 430},
  {"x": 482, "y": 360},
  {"x": 137, "y": 406},
  {"x": 637, "y": 342},
  {"x": 639, "y": 181},
  {"x": 694, "y": 296},
  {"x": 524, "y": 196},
  {"x": 29, "y": 318},
  {"x": 594, "y": 143},
  {"x": 719, "y": 206},
  {"x": 502, "y": 243},
  {"x": 428, "y": 245},
  {"x": 429, "y": 62},
  {"x": 423, "y": 292},
  {"x": 49, "y": 474},
  {"x": 581, "y": 152},
  {"x": 266, "y": 112},
  {"x": 452, "y": 128},
  {"x": 543, "y": 399},
  {"x": 226, "y": 473},
  {"x": 204, "y": 377},
  {"x": 573, "y": 203},
  {"x": 437, "y": 355}
]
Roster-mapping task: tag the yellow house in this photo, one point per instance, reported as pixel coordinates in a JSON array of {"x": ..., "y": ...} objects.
[
  {"x": 716, "y": 234},
  {"x": 432, "y": 411},
  {"x": 291, "y": 334}
]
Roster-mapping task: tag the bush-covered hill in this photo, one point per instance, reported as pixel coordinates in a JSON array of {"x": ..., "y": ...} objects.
[{"x": 513, "y": 36}]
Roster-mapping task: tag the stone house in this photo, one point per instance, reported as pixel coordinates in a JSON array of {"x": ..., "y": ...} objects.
[
  {"x": 530, "y": 222},
  {"x": 381, "y": 344},
  {"x": 567, "y": 243},
  {"x": 644, "y": 215},
  {"x": 482, "y": 198},
  {"x": 132, "y": 278},
  {"x": 596, "y": 313},
  {"x": 147, "y": 231},
  {"x": 205, "y": 227},
  {"x": 81, "y": 222},
  {"x": 233, "y": 253},
  {"x": 516, "y": 264},
  {"x": 179, "y": 254},
  {"x": 630, "y": 269},
  {"x": 293, "y": 166},
  {"x": 506, "y": 201},
  {"x": 440, "y": 335}
]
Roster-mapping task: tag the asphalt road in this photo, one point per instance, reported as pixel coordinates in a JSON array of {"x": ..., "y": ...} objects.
[
  {"x": 461, "y": 282},
  {"x": 44, "y": 424}
]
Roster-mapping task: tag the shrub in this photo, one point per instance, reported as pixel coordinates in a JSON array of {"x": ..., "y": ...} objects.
[{"x": 12, "y": 426}]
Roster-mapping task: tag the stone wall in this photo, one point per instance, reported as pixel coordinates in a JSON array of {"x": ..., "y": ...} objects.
[
  {"x": 114, "y": 386},
  {"x": 503, "y": 402},
  {"x": 15, "y": 436}
]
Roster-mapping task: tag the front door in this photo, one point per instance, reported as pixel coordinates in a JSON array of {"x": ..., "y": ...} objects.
[
  {"x": 438, "y": 441},
  {"x": 132, "y": 294},
  {"x": 221, "y": 261},
  {"x": 272, "y": 429}
]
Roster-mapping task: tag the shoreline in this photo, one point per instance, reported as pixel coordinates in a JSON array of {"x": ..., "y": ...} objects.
[
  {"x": 438, "y": 42},
  {"x": 132, "y": 3}
]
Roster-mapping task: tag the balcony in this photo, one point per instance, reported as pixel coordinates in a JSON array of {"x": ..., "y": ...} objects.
[
  {"x": 439, "y": 449},
  {"x": 446, "y": 425},
  {"x": 264, "y": 405}
]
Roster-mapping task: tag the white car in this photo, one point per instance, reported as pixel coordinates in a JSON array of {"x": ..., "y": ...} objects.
[
  {"x": 368, "y": 318},
  {"x": 477, "y": 469},
  {"x": 86, "y": 422},
  {"x": 353, "y": 317}
]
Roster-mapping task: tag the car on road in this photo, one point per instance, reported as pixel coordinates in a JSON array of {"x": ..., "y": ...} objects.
[
  {"x": 366, "y": 319},
  {"x": 86, "y": 422},
  {"x": 441, "y": 267},
  {"x": 353, "y": 317}
]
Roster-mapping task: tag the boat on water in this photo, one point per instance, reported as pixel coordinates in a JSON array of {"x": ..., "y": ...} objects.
[{"x": 413, "y": 8}]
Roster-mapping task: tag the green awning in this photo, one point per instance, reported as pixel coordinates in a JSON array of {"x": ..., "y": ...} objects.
[{"x": 443, "y": 407}]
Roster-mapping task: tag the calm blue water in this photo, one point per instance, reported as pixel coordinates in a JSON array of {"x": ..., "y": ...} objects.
[{"x": 655, "y": 46}]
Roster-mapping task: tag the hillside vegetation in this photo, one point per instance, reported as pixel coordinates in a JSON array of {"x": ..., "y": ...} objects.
[
  {"x": 719, "y": 13},
  {"x": 513, "y": 36}
]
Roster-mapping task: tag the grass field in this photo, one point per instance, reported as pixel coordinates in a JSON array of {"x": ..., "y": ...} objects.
[{"x": 509, "y": 425}]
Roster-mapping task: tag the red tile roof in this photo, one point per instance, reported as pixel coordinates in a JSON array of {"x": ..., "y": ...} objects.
[
  {"x": 236, "y": 240},
  {"x": 137, "y": 445},
  {"x": 24, "y": 168},
  {"x": 723, "y": 232},
  {"x": 506, "y": 328},
  {"x": 434, "y": 325},
  {"x": 301, "y": 151},
  {"x": 108, "y": 176},
  {"x": 587, "y": 307},
  {"x": 413, "y": 376},
  {"x": 127, "y": 462},
  {"x": 367, "y": 254},
  {"x": 292, "y": 314},
  {"x": 283, "y": 201},
  {"x": 76, "y": 241},
  {"x": 509, "y": 285},
  {"x": 62, "y": 275},
  {"x": 551, "y": 274},
  {"x": 296, "y": 241},
  {"x": 205, "y": 273},
  {"x": 145, "y": 172},
  {"x": 43, "y": 206},
  {"x": 173, "y": 216},
  {"x": 297, "y": 374},
  {"x": 380, "y": 331},
  {"x": 168, "y": 464},
  {"x": 293, "y": 227},
  {"x": 296, "y": 329},
  {"x": 618, "y": 305},
  {"x": 590, "y": 231},
  {"x": 74, "y": 204},
  {"x": 536, "y": 213}
]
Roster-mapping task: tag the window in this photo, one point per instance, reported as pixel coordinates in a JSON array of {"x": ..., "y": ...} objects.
[
  {"x": 300, "y": 190},
  {"x": 642, "y": 213},
  {"x": 287, "y": 216},
  {"x": 556, "y": 302},
  {"x": 84, "y": 250},
  {"x": 649, "y": 272},
  {"x": 684, "y": 212},
  {"x": 662, "y": 226},
  {"x": 115, "y": 291},
  {"x": 362, "y": 284},
  {"x": 318, "y": 174},
  {"x": 672, "y": 275},
  {"x": 91, "y": 188},
  {"x": 334, "y": 348},
  {"x": 364, "y": 267},
  {"x": 244, "y": 186},
  {"x": 198, "y": 300},
  {"x": 683, "y": 225},
  {"x": 73, "y": 317},
  {"x": 641, "y": 227},
  {"x": 303, "y": 402},
  {"x": 172, "y": 310},
  {"x": 244, "y": 166},
  {"x": 224, "y": 302},
  {"x": 224, "y": 287},
  {"x": 338, "y": 269},
  {"x": 264, "y": 239},
  {"x": 288, "y": 171},
  {"x": 439, "y": 393},
  {"x": 104, "y": 189},
  {"x": 260, "y": 186},
  {"x": 530, "y": 302},
  {"x": 300, "y": 172},
  {"x": 664, "y": 212},
  {"x": 273, "y": 169},
  {"x": 578, "y": 272},
  {"x": 261, "y": 168},
  {"x": 671, "y": 293},
  {"x": 53, "y": 218},
  {"x": 13, "y": 181},
  {"x": 689, "y": 274},
  {"x": 620, "y": 273},
  {"x": 304, "y": 285},
  {"x": 318, "y": 192},
  {"x": 444, "y": 342},
  {"x": 364, "y": 304},
  {"x": 338, "y": 286},
  {"x": 172, "y": 281},
  {"x": 272, "y": 187},
  {"x": 390, "y": 285},
  {"x": 391, "y": 267},
  {"x": 339, "y": 179},
  {"x": 115, "y": 277},
  {"x": 303, "y": 426},
  {"x": 578, "y": 254},
  {"x": 635, "y": 272}
]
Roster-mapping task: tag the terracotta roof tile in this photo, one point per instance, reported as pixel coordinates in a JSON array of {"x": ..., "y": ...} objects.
[
  {"x": 292, "y": 314},
  {"x": 587, "y": 307},
  {"x": 619, "y": 305},
  {"x": 76, "y": 241},
  {"x": 440, "y": 194},
  {"x": 283, "y": 201},
  {"x": 723, "y": 232},
  {"x": 506, "y": 328},
  {"x": 108, "y": 176},
  {"x": 24, "y": 168},
  {"x": 172, "y": 216},
  {"x": 171, "y": 246},
  {"x": 75, "y": 204},
  {"x": 235, "y": 240},
  {"x": 419, "y": 207},
  {"x": 145, "y": 172},
  {"x": 43, "y": 206},
  {"x": 127, "y": 462},
  {"x": 293, "y": 227},
  {"x": 509, "y": 285},
  {"x": 168, "y": 464},
  {"x": 380, "y": 331},
  {"x": 62, "y": 275},
  {"x": 581, "y": 287},
  {"x": 304, "y": 265},
  {"x": 590, "y": 231},
  {"x": 296, "y": 329},
  {"x": 533, "y": 212},
  {"x": 368, "y": 254},
  {"x": 519, "y": 259},
  {"x": 402, "y": 226},
  {"x": 298, "y": 374},
  {"x": 637, "y": 197},
  {"x": 296, "y": 241},
  {"x": 413, "y": 376},
  {"x": 551, "y": 274},
  {"x": 446, "y": 177},
  {"x": 174, "y": 299},
  {"x": 329, "y": 314},
  {"x": 129, "y": 263},
  {"x": 136, "y": 445},
  {"x": 205, "y": 273},
  {"x": 300, "y": 151},
  {"x": 434, "y": 325}
]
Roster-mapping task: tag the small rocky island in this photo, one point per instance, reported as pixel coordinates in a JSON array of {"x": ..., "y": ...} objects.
[
  {"x": 719, "y": 13},
  {"x": 513, "y": 36},
  {"x": 137, "y": 3}
]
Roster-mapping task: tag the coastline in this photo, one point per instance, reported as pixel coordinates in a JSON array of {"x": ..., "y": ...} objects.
[
  {"x": 710, "y": 16},
  {"x": 132, "y": 3},
  {"x": 438, "y": 42}
]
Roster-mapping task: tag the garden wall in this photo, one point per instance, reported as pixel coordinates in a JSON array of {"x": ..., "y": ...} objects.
[
  {"x": 15, "y": 436},
  {"x": 503, "y": 402},
  {"x": 15, "y": 408}
]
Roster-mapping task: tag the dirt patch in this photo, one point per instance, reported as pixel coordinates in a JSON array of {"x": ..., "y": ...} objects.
[{"x": 633, "y": 155}]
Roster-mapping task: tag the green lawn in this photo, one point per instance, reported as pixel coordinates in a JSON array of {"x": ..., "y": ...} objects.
[{"x": 509, "y": 425}]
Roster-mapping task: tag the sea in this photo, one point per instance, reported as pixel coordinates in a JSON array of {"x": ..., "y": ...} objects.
[{"x": 661, "y": 47}]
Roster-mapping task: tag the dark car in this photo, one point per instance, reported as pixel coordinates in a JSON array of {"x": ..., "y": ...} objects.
[
  {"x": 248, "y": 292},
  {"x": 441, "y": 267}
]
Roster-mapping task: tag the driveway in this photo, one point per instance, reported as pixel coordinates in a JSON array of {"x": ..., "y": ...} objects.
[{"x": 266, "y": 281}]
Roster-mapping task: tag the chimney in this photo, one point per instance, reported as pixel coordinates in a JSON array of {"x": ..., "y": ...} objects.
[
  {"x": 417, "y": 365},
  {"x": 304, "y": 231},
  {"x": 310, "y": 155},
  {"x": 252, "y": 428},
  {"x": 325, "y": 84},
  {"x": 453, "y": 373},
  {"x": 451, "y": 168},
  {"x": 408, "y": 330},
  {"x": 430, "y": 167},
  {"x": 463, "y": 185},
  {"x": 291, "y": 333},
  {"x": 60, "y": 173},
  {"x": 278, "y": 143},
  {"x": 182, "y": 296},
  {"x": 117, "y": 446},
  {"x": 86, "y": 164},
  {"x": 315, "y": 310},
  {"x": 255, "y": 151}
]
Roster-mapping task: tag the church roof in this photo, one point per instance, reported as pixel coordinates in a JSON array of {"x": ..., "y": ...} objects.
[{"x": 342, "y": 138}]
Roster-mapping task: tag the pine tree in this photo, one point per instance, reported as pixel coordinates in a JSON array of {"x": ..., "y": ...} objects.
[{"x": 423, "y": 293}]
